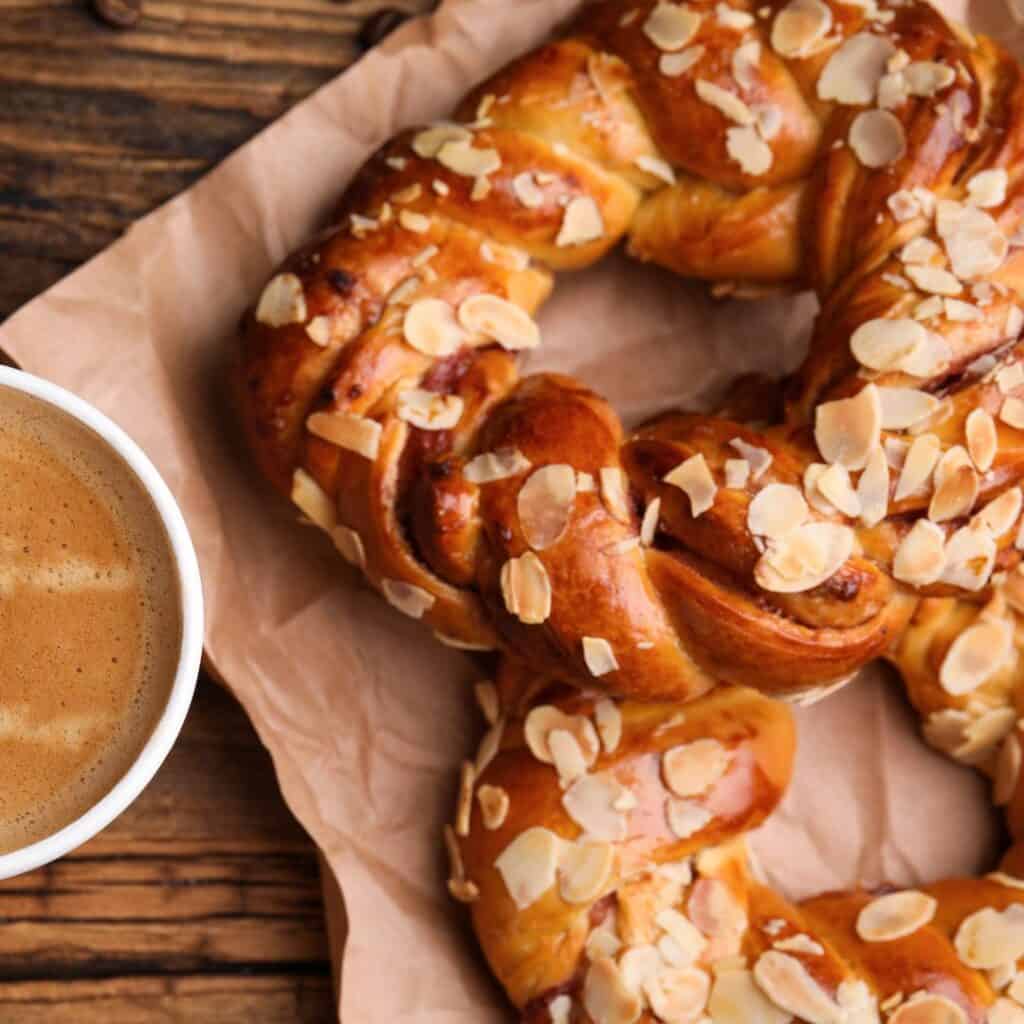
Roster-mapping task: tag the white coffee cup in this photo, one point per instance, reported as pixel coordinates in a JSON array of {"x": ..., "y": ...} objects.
[{"x": 168, "y": 726}]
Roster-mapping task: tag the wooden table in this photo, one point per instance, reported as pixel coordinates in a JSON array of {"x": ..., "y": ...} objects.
[{"x": 202, "y": 903}]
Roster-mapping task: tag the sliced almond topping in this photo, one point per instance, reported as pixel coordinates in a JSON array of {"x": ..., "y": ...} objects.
[
  {"x": 980, "y": 651},
  {"x": 961, "y": 312},
  {"x": 685, "y": 817},
  {"x": 800, "y": 944},
  {"x": 656, "y": 166},
  {"x": 560, "y": 1009},
  {"x": 921, "y": 555},
  {"x": 920, "y": 250},
  {"x": 903, "y": 205},
  {"x": 500, "y": 465},
  {"x": 526, "y": 589},
  {"x": 594, "y": 801},
  {"x": 428, "y": 142},
  {"x": 585, "y": 871},
  {"x": 970, "y": 555},
  {"x": 494, "y": 804},
  {"x": 350, "y": 545},
  {"x": 354, "y": 433},
  {"x": 649, "y": 526},
  {"x": 599, "y": 656},
  {"x": 605, "y": 997},
  {"x": 804, "y": 558},
  {"x": 955, "y": 496},
  {"x": 736, "y": 999},
  {"x": 489, "y": 745},
  {"x": 848, "y": 430},
  {"x": 745, "y": 61},
  {"x": 1005, "y": 1011},
  {"x": 312, "y": 500},
  {"x": 934, "y": 280},
  {"x": 566, "y": 756},
  {"x": 877, "y": 138},
  {"x": 319, "y": 330},
  {"x": 759, "y": 459},
  {"x": 717, "y": 912},
  {"x": 672, "y": 65},
  {"x": 799, "y": 29},
  {"x": 746, "y": 146},
  {"x": 989, "y": 938},
  {"x": 430, "y": 327},
  {"x": 282, "y": 302},
  {"x": 686, "y": 936},
  {"x": 873, "y": 489},
  {"x": 775, "y": 510},
  {"x": 671, "y": 26},
  {"x": 462, "y": 157},
  {"x": 608, "y": 719},
  {"x": 489, "y": 702},
  {"x": 464, "y": 803},
  {"x": 903, "y": 407},
  {"x": 975, "y": 244},
  {"x": 1012, "y": 413},
  {"x": 496, "y": 318},
  {"x": 927, "y": 1008},
  {"x": 527, "y": 191},
  {"x": 415, "y": 222},
  {"x": 678, "y": 995},
  {"x": 581, "y": 223},
  {"x": 988, "y": 188},
  {"x": 853, "y": 72},
  {"x": 614, "y": 493},
  {"x": 737, "y": 473},
  {"x": 407, "y": 598},
  {"x": 602, "y": 941},
  {"x": 788, "y": 984},
  {"x": 694, "y": 479},
  {"x": 1010, "y": 377},
  {"x": 982, "y": 442},
  {"x": 926, "y": 77},
  {"x": 895, "y": 915},
  {"x": 528, "y": 865},
  {"x": 999, "y": 515},
  {"x": 731, "y": 17},
  {"x": 834, "y": 484},
  {"x": 545, "y": 504},
  {"x": 693, "y": 768},
  {"x": 883, "y": 344},
  {"x": 428, "y": 410},
  {"x": 928, "y": 308},
  {"x": 1007, "y": 772},
  {"x": 918, "y": 465},
  {"x": 546, "y": 719},
  {"x": 725, "y": 102}
]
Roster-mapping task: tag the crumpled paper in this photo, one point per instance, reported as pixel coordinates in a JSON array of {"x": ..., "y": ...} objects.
[{"x": 365, "y": 715}]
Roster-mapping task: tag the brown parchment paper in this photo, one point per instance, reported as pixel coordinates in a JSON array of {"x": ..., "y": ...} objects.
[{"x": 365, "y": 716}]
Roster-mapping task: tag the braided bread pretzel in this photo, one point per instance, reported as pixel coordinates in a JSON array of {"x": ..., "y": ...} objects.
[{"x": 868, "y": 151}]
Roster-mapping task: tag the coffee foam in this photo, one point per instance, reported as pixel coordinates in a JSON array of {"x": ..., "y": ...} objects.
[{"x": 89, "y": 615}]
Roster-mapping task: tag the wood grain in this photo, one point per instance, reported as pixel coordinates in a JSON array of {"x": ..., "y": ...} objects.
[{"x": 203, "y": 901}]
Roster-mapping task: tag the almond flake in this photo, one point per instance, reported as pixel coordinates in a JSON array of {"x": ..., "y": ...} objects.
[
  {"x": 685, "y": 817},
  {"x": 1010, "y": 377},
  {"x": 560, "y": 1008},
  {"x": 407, "y": 598},
  {"x": 355, "y": 433},
  {"x": 527, "y": 191},
  {"x": 678, "y": 995},
  {"x": 903, "y": 205},
  {"x": 918, "y": 464},
  {"x": 488, "y": 467},
  {"x": 464, "y": 159},
  {"x": 545, "y": 719},
  {"x": 884, "y": 344},
  {"x": 657, "y": 167},
  {"x": 920, "y": 250},
  {"x": 800, "y": 944},
  {"x": 988, "y": 938},
  {"x": 671, "y": 26},
  {"x": 649, "y": 525},
  {"x": 955, "y": 495},
  {"x": 614, "y": 493},
  {"x": 895, "y": 915},
  {"x": 429, "y": 410},
  {"x": 672, "y": 65},
  {"x": 605, "y": 997},
  {"x": 903, "y": 407},
  {"x": 545, "y": 505},
  {"x": 581, "y": 223},
  {"x": 591, "y": 801},
  {"x": 975, "y": 244},
  {"x": 736, "y": 999},
  {"x": 566, "y": 756},
  {"x": 745, "y": 60},
  {"x": 934, "y": 280},
  {"x": 799, "y": 29},
  {"x": 975, "y": 655},
  {"x": 282, "y": 302},
  {"x": 928, "y": 308},
  {"x": 312, "y": 500},
  {"x": 854, "y": 70},
  {"x": 599, "y": 656},
  {"x": 430, "y": 327},
  {"x": 877, "y": 138},
  {"x": 1007, "y": 774},
  {"x": 926, "y": 1008},
  {"x": 925, "y": 77},
  {"x": 528, "y": 865},
  {"x": 982, "y": 441},
  {"x": 737, "y": 473},
  {"x": 1012, "y": 413},
  {"x": 494, "y": 804},
  {"x": 848, "y": 429},
  {"x": 693, "y": 768},
  {"x": 988, "y": 188},
  {"x": 775, "y": 510},
  {"x": 526, "y": 589},
  {"x": 749, "y": 150},
  {"x": 786, "y": 981},
  {"x": 602, "y": 941},
  {"x": 584, "y": 871},
  {"x": 350, "y": 546},
  {"x": 834, "y": 484},
  {"x": 999, "y": 515},
  {"x": 970, "y": 555},
  {"x": 729, "y": 105},
  {"x": 921, "y": 556},
  {"x": 694, "y": 479},
  {"x": 873, "y": 489},
  {"x": 464, "y": 803},
  {"x": 608, "y": 719},
  {"x": 1014, "y": 322},
  {"x": 1005, "y": 1011},
  {"x": 489, "y": 746},
  {"x": 759, "y": 459},
  {"x": 487, "y": 699},
  {"x": 498, "y": 319},
  {"x": 417, "y": 223},
  {"x": 319, "y": 330},
  {"x": 428, "y": 142},
  {"x": 804, "y": 558}
]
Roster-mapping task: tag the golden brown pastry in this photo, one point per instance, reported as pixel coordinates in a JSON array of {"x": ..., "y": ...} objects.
[{"x": 870, "y": 151}]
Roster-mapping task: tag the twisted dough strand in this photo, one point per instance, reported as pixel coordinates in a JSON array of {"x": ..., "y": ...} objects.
[{"x": 868, "y": 151}]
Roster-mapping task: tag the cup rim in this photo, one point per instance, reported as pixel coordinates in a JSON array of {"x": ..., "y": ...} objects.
[{"x": 167, "y": 728}]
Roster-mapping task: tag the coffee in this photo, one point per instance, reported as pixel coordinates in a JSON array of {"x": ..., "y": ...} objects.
[{"x": 90, "y": 619}]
